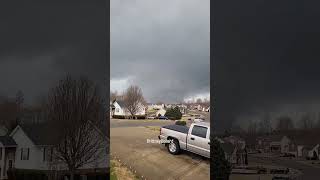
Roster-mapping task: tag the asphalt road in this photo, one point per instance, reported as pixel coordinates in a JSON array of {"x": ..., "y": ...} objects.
[
  {"x": 138, "y": 123},
  {"x": 309, "y": 172},
  {"x": 151, "y": 160}
]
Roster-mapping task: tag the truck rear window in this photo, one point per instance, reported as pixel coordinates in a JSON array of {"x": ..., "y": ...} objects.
[{"x": 199, "y": 131}]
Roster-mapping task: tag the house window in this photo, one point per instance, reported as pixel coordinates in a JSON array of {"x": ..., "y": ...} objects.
[
  {"x": 44, "y": 154},
  {"x": 25, "y": 153},
  {"x": 117, "y": 109},
  {"x": 10, "y": 164}
]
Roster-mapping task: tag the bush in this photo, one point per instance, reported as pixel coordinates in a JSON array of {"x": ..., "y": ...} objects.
[
  {"x": 118, "y": 117},
  {"x": 221, "y": 168},
  {"x": 181, "y": 123},
  {"x": 173, "y": 113},
  {"x": 27, "y": 174}
]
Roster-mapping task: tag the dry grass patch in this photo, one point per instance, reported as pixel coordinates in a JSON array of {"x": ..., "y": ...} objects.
[
  {"x": 120, "y": 172},
  {"x": 153, "y": 128}
]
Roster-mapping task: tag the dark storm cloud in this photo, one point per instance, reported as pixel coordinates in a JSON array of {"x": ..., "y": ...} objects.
[
  {"x": 266, "y": 57},
  {"x": 41, "y": 42},
  {"x": 162, "y": 46}
]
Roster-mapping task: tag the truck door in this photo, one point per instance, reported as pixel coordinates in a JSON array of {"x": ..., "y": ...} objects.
[{"x": 198, "y": 142}]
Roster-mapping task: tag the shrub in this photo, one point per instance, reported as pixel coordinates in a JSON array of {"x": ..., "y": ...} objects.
[
  {"x": 181, "y": 123},
  {"x": 173, "y": 113},
  {"x": 221, "y": 168},
  {"x": 118, "y": 117}
]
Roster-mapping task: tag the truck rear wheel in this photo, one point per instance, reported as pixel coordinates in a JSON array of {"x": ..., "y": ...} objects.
[{"x": 173, "y": 147}]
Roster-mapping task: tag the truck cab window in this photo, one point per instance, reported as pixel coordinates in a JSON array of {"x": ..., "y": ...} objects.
[{"x": 199, "y": 131}]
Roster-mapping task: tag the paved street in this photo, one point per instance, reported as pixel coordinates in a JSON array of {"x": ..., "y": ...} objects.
[
  {"x": 309, "y": 172},
  {"x": 152, "y": 161},
  {"x": 138, "y": 123}
]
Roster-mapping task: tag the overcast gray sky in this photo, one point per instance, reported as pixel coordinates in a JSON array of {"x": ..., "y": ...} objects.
[
  {"x": 266, "y": 60},
  {"x": 163, "y": 46},
  {"x": 42, "y": 42}
]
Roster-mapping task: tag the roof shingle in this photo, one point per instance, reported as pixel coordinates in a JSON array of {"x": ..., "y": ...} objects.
[{"x": 7, "y": 141}]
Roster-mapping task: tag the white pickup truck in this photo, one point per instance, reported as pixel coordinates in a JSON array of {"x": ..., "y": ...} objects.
[{"x": 195, "y": 139}]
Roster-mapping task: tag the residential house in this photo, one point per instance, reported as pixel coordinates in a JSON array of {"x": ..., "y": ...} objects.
[
  {"x": 183, "y": 108},
  {"x": 305, "y": 148},
  {"x": 161, "y": 112},
  {"x": 155, "y": 106},
  {"x": 207, "y": 109},
  {"x": 121, "y": 111},
  {"x": 112, "y": 110},
  {"x": 314, "y": 152},
  {"x": 308, "y": 151},
  {"x": 199, "y": 107},
  {"x": 273, "y": 143},
  {"x": 31, "y": 147},
  {"x": 7, "y": 155},
  {"x": 302, "y": 144}
]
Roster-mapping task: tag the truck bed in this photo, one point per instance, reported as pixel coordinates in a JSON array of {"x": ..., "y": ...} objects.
[{"x": 179, "y": 128}]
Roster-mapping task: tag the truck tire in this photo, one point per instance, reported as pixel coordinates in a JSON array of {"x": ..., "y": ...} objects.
[{"x": 174, "y": 147}]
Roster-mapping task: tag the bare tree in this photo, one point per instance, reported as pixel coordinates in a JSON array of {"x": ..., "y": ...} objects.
[
  {"x": 8, "y": 114},
  {"x": 74, "y": 109},
  {"x": 206, "y": 102},
  {"x": 133, "y": 100},
  {"x": 19, "y": 99},
  {"x": 159, "y": 102},
  {"x": 284, "y": 123},
  {"x": 199, "y": 101},
  {"x": 113, "y": 95},
  {"x": 306, "y": 122},
  {"x": 265, "y": 124},
  {"x": 317, "y": 123},
  {"x": 252, "y": 128}
]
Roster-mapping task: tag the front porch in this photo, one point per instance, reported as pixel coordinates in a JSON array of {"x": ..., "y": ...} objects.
[{"x": 7, "y": 155}]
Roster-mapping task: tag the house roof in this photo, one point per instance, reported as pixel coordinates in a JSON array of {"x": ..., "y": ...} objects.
[
  {"x": 43, "y": 134},
  {"x": 120, "y": 102},
  {"x": 306, "y": 139},
  {"x": 7, "y": 141},
  {"x": 40, "y": 134}
]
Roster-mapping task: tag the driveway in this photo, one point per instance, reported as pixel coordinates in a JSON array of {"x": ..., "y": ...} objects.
[{"x": 150, "y": 160}]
